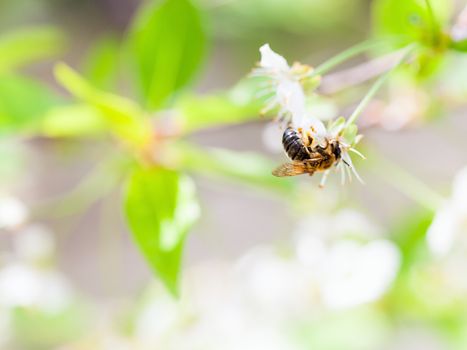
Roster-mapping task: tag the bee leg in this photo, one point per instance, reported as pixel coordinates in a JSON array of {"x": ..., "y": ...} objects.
[
  {"x": 346, "y": 163},
  {"x": 324, "y": 178}
]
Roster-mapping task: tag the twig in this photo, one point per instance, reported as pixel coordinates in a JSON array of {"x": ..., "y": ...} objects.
[{"x": 358, "y": 74}]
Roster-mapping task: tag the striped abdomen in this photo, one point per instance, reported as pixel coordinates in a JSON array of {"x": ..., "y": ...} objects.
[{"x": 293, "y": 145}]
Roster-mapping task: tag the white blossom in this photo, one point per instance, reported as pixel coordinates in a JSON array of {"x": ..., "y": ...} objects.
[
  {"x": 449, "y": 226},
  {"x": 34, "y": 243},
  {"x": 347, "y": 271},
  {"x": 287, "y": 95},
  {"x": 358, "y": 273},
  {"x": 286, "y": 89},
  {"x": 24, "y": 285},
  {"x": 13, "y": 212}
]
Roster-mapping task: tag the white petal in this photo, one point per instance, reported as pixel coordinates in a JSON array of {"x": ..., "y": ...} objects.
[
  {"x": 442, "y": 231},
  {"x": 272, "y": 60},
  {"x": 34, "y": 243},
  {"x": 358, "y": 274},
  {"x": 346, "y": 157},
  {"x": 459, "y": 190},
  {"x": 290, "y": 95},
  {"x": 13, "y": 212}
]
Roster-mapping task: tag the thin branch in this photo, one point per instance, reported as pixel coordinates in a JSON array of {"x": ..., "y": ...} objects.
[
  {"x": 376, "y": 86},
  {"x": 358, "y": 74},
  {"x": 406, "y": 183},
  {"x": 352, "y": 52}
]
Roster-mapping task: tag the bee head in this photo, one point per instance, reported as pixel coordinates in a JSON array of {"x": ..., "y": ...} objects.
[{"x": 336, "y": 149}]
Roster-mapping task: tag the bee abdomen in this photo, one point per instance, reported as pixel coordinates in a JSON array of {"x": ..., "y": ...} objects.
[{"x": 293, "y": 145}]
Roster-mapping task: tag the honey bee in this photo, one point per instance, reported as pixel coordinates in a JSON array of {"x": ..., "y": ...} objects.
[{"x": 307, "y": 157}]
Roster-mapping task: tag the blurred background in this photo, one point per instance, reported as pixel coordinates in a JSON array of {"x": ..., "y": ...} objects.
[{"x": 270, "y": 263}]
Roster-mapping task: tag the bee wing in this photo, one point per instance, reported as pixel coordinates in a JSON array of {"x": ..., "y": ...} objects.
[{"x": 289, "y": 169}]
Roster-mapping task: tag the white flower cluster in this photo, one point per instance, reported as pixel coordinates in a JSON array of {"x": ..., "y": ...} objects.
[
  {"x": 27, "y": 279},
  {"x": 287, "y": 96},
  {"x": 253, "y": 304}
]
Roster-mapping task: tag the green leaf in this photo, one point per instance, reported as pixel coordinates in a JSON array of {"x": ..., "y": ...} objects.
[
  {"x": 336, "y": 126},
  {"x": 161, "y": 207},
  {"x": 198, "y": 112},
  {"x": 168, "y": 44},
  {"x": 237, "y": 105},
  {"x": 101, "y": 62},
  {"x": 28, "y": 45},
  {"x": 23, "y": 104},
  {"x": 73, "y": 121},
  {"x": 35, "y": 328},
  {"x": 459, "y": 45},
  {"x": 124, "y": 117},
  {"x": 245, "y": 167},
  {"x": 411, "y": 19},
  {"x": 350, "y": 133}
]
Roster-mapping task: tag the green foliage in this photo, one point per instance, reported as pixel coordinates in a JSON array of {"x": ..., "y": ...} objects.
[
  {"x": 337, "y": 125},
  {"x": 414, "y": 20},
  {"x": 460, "y": 45},
  {"x": 123, "y": 117},
  {"x": 410, "y": 235},
  {"x": 23, "y": 104},
  {"x": 167, "y": 43},
  {"x": 199, "y": 112},
  {"x": 37, "y": 329},
  {"x": 358, "y": 329},
  {"x": 244, "y": 167},
  {"x": 74, "y": 120},
  {"x": 350, "y": 134},
  {"x": 28, "y": 45},
  {"x": 101, "y": 64},
  {"x": 161, "y": 206}
]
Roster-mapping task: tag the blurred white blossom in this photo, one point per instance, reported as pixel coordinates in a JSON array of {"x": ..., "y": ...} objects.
[
  {"x": 357, "y": 273},
  {"x": 34, "y": 243},
  {"x": 350, "y": 264},
  {"x": 13, "y": 212},
  {"x": 23, "y": 285},
  {"x": 449, "y": 227},
  {"x": 253, "y": 303}
]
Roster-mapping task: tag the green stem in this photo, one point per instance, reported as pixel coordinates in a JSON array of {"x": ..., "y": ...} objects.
[
  {"x": 349, "y": 53},
  {"x": 374, "y": 88},
  {"x": 406, "y": 183}
]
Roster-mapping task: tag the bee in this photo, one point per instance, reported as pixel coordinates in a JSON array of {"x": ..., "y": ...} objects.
[{"x": 306, "y": 155}]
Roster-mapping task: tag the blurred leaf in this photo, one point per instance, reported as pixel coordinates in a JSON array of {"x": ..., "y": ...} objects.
[
  {"x": 73, "y": 121},
  {"x": 245, "y": 167},
  {"x": 350, "y": 133},
  {"x": 101, "y": 63},
  {"x": 336, "y": 125},
  {"x": 460, "y": 45},
  {"x": 428, "y": 63},
  {"x": 37, "y": 329},
  {"x": 359, "y": 328},
  {"x": 28, "y": 45},
  {"x": 199, "y": 112},
  {"x": 23, "y": 103},
  {"x": 123, "y": 117},
  {"x": 168, "y": 44},
  {"x": 237, "y": 105},
  {"x": 161, "y": 206},
  {"x": 410, "y": 18},
  {"x": 409, "y": 234}
]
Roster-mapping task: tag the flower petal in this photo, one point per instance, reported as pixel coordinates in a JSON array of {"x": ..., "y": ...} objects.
[{"x": 272, "y": 60}]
